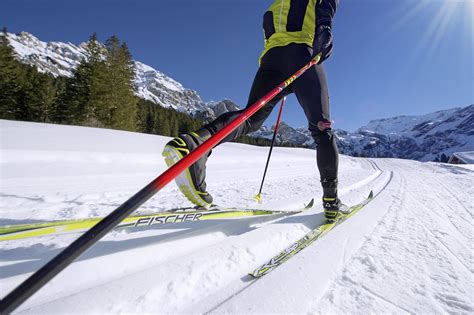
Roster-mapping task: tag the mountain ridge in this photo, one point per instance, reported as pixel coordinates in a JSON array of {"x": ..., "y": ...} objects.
[
  {"x": 60, "y": 59},
  {"x": 433, "y": 136}
]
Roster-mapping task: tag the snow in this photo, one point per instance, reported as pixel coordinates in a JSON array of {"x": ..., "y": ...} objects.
[
  {"x": 408, "y": 251},
  {"x": 66, "y": 56},
  {"x": 145, "y": 71},
  {"x": 404, "y": 124}
]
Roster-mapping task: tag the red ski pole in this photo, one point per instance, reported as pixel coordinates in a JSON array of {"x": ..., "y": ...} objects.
[{"x": 37, "y": 280}]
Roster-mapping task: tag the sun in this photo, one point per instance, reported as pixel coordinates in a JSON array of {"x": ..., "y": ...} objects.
[{"x": 443, "y": 15}]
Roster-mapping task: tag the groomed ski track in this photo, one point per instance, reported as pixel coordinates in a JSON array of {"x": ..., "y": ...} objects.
[{"x": 408, "y": 251}]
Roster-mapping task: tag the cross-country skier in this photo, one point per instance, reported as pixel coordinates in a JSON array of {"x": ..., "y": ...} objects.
[{"x": 295, "y": 31}]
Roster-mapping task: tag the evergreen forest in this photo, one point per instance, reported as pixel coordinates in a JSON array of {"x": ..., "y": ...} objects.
[{"x": 100, "y": 93}]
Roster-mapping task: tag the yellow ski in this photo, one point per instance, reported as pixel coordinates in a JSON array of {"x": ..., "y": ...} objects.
[
  {"x": 13, "y": 232},
  {"x": 308, "y": 239}
]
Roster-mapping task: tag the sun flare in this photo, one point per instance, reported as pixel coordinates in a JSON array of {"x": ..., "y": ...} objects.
[{"x": 444, "y": 14}]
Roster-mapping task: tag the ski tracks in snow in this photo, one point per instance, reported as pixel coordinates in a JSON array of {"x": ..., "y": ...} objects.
[
  {"x": 410, "y": 250},
  {"x": 300, "y": 279},
  {"x": 208, "y": 269},
  {"x": 407, "y": 252},
  {"x": 417, "y": 260}
]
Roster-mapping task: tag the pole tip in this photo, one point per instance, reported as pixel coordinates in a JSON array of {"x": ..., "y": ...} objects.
[{"x": 258, "y": 198}]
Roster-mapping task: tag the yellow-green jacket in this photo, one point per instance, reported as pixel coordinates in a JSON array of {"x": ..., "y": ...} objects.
[{"x": 295, "y": 21}]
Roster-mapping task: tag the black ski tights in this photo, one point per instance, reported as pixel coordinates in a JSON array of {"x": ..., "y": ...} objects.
[{"x": 312, "y": 94}]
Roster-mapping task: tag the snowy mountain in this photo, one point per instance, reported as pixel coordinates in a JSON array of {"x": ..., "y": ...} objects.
[
  {"x": 60, "y": 59},
  {"x": 409, "y": 251},
  {"x": 424, "y": 137},
  {"x": 56, "y": 58},
  {"x": 286, "y": 134}
]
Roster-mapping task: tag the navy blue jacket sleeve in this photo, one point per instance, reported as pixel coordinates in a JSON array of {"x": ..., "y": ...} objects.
[{"x": 325, "y": 11}]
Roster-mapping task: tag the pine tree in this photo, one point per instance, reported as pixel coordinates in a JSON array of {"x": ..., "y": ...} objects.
[
  {"x": 145, "y": 117},
  {"x": 26, "y": 106},
  {"x": 75, "y": 103},
  {"x": 163, "y": 127},
  {"x": 72, "y": 106},
  {"x": 37, "y": 96},
  {"x": 10, "y": 74},
  {"x": 113, "y": 88},
  {"x": 148, "y": 128},
  {"x": 444, "y": 158},
  {"x": 57, "y": 108}
]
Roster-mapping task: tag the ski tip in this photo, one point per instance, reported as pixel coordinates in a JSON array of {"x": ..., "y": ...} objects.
[
  {"x": 310, "y": 204},
  {"x": 371, "y": 194}
]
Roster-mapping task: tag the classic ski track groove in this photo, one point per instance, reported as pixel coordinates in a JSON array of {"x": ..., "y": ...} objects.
[
  {"x": 263, "y": 221},
  {"x": 152, "y": 267},
  {"x": 446, "y": 247},
  {"x": 452, "y": 193},
  {"x": 395, "y": 203},
  {"x": 201, "y": 248},
  {"x": 212, "y": 229},
  {"x": 436, "y": 237},
  {"x": 455, "y": 198},
  {"x": 345, "y": 242},
  {"x": 443, "y": 245},
  {"x": 254, "y": 280},
  {"x": 389, "y": 227},
  {"x": 384, "y": 299},
  {"x": 378, "y": 223},
  {"x": 453, "y": 223},
  {"x": 251, "y": 281}
]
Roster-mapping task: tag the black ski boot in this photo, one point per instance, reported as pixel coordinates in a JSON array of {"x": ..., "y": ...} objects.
[
  {"x": 331, "y": 202},
  {"x": 191, "y": 182}
]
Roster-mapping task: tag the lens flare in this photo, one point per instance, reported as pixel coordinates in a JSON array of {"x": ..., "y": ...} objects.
[{"x": 444, "y": 14}]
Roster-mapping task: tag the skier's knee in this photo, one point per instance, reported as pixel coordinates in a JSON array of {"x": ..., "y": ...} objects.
[
  {"x": 323, "y": 138},
  {"x": 252, "y": 125},
  {"x": 256, "y": 121},
  {"x": 321, "y": 135}
]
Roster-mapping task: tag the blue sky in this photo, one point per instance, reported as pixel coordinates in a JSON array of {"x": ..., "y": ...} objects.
[{"x": 391, "y": 57}]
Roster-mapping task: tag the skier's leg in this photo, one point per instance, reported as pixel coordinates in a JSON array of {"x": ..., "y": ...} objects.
[
  {"x": 312, "y": 93},
  {"x": 192, "y": 182},
  {"x": 265, "y": 80}
]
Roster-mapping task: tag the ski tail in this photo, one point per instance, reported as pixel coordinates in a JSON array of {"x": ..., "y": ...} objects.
[{"x": 21, "y": 231}]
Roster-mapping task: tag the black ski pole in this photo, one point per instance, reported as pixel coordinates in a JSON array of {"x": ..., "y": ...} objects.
[{"x": 259, "y": 195}]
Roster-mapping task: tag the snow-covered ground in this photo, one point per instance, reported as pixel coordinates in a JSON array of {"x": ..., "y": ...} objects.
[{"x": 408, "y": 251}]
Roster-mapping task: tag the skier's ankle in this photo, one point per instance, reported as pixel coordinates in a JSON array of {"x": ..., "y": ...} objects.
[{"x": 329, "y": 188}]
